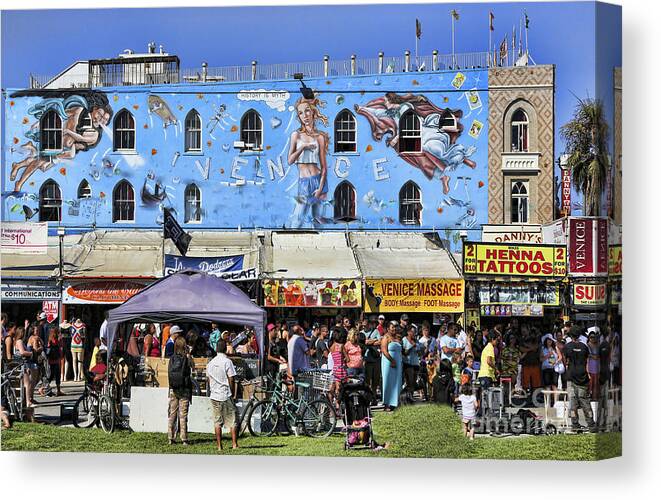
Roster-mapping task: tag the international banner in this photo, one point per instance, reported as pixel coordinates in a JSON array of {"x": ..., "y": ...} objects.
[
  {"x": 589, "y": 295},
  {"x": 229, "y": 268},
  {"x": 538, "y": 261},
  {"x": 312, "y": 293},
  {"x": 101, "y": 292},
  {"x": 414, "y": 295},
  {"x": 615, "y": 260},
  {"x": 27, "y": 238}
]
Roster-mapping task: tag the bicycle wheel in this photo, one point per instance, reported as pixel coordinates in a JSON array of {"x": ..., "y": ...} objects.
[
  {"x": 12, "y": 402},
  {"x": 244, "y": 418},
  {"x": 318, "y": 418},
  {"x": 86, "y": 411},
  {"x": 107, "y": 414},
  {"x": 263, "y": 419}
]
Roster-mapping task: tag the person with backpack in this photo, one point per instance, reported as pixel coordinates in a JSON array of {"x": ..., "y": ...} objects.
[{"x": 180, "y": 395}]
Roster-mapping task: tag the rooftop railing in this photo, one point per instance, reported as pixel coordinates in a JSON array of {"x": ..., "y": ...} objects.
[{"x": 255, "y": 72}]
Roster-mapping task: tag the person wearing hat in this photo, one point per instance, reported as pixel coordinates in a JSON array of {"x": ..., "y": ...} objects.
[
  {"x": 576, "y": 356},
  {"x": 273, "y": 353},
  {"x": 404, "y": 322},
  {"x": 175, "y": 332}
]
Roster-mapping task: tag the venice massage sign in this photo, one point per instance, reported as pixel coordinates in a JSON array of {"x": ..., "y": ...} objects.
[
  {"x": 423, "y": 295},
  {"x": 543, "y": 261}
]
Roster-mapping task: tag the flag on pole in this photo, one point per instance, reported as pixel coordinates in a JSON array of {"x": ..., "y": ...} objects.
[
  {"x": 527, "y": 19},
  {"x": 503, "y": 50},
  {"x": 418, "y": 29},
  {"x": 455, "y": 15},
  {"x": 491, "y": 18}
]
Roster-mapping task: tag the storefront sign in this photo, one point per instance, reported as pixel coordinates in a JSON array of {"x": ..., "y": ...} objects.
[
  {"x": 312, "y": 293},
  {"x": 566, "y": 192},
  {"x": 616, "y": 294},
  {"x": 24, "y": 237},
  {"x": 615, "y": 260},
  {"x": 529, "y": 293},
  {"x": 101, "y": 292},
  {"x": 541, "y": 261},
  {"x": 588, "y": 246},
  {"x": 50, "y": 307},
  {"x": 589, "y": 295},
  {"x": 29, "y": 292},
  {"x": 420, "y": 295},
  {"x": 472, "y": 315},
  {"x": 229, "y": 268},
  {"x": 498, "y": 233}
]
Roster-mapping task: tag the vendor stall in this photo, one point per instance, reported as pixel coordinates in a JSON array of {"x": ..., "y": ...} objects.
[{"x": 185, "y": 296}]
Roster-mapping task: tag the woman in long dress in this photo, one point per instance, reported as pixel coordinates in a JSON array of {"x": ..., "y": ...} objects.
[{"x": 391, "y": 368}]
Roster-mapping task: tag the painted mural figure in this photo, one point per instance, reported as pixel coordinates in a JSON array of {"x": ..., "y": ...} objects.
[
  {"x": 78, "y": 133},
  {"x": 162, "y": 110},
  {"x": 439, "y": 131},
  {"x": 308, "y": 149}
]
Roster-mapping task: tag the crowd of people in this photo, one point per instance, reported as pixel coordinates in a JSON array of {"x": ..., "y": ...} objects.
[{"x": 400, "y": 361}]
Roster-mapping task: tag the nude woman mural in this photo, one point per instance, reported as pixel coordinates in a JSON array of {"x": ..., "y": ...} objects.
[
  {"x": 308, "y": 148},
  {"x": 78, "y": 133}
]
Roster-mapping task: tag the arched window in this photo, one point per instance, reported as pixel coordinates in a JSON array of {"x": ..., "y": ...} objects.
[
  {"x": 519, "y": 202},
  {"x": 519, "y": 131},
  {"x": 448, "y": 120},
  {"x": 192, "y": 204},
  {"x": 123, "y": 202},
  {"x": 409, "y": 133},
  {"x": 51, "y": 131},
  {"x": 345, "y": 202},
  {"x": 193, "y": 136},
  {"x": 410, "y": 204},
  {"x": 124, "y": 132},
  {"x": 84, "y": 190},
  {"x": 251, "y": 130},
  {"x": 50, "y": 202},
  {"x": 345, "y": 132}
]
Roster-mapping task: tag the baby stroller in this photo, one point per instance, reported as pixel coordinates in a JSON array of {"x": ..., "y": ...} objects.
[{"x": 356, "y": 398}]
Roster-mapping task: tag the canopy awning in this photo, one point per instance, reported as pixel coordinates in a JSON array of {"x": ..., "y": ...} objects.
[
  {"x": 189, "y": 296},
  {"x": 139, "y": 254},
  {"x": 309, "y": 255},
  {"x": 389, "y": 255},
  {"x": 37, "y": 266}
]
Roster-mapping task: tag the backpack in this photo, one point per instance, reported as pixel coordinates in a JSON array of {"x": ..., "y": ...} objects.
[{"x": 178, "y": 372}]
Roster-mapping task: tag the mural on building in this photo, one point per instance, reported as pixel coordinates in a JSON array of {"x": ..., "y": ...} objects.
[
  {"x": 257, "y": 154},
  {"x": 81, "y": 117}
]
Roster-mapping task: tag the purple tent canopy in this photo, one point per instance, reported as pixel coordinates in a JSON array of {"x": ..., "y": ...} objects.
[{"x": 190, "y": 296}]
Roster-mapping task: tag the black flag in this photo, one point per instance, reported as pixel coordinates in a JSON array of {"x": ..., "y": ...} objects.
[{"x": 172, "y": 230}]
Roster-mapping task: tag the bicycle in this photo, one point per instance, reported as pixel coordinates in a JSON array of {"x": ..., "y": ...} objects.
[
  {"x": 285, "y": 413},
  {"x": 15, "y": 402},
  {"x": 261, "y": 387}
]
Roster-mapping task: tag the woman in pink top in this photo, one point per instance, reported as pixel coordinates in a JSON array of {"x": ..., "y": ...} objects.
[{"x": 355, "y": 354}]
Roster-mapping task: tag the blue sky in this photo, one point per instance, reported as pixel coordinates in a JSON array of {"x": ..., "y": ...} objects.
[{"x": 46, "y": 41}]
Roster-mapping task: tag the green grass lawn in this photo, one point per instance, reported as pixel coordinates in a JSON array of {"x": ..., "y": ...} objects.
[{"x": 422, "y": 431}]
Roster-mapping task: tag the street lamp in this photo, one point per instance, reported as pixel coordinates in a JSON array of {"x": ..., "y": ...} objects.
[{"x": 60, "y": 235}]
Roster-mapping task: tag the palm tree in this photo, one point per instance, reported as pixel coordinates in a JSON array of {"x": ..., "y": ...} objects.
[{"x": 586, "y": 138}]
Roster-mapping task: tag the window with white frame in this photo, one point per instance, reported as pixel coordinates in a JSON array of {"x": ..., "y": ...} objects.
[
  {"x": 409, "y": 133},
  {"x": 123, "y": 202},
  {"x": 51, "y": 131},
  {"x": 50, "y": 202},
  {"x": 520, "y": 202},
  {"x": 344, "y": 202},
  {"x": 410, "y": 204},
  {"x": 84, "y": 190},
  {"x": 193, "y": 135},
  {"x": 519, "y": 131},
  {"x": 124, "y": 131},
  {"x": 192, "y": 204},
  {"x": 345, "y": 132},
  {"x": 251, "y": 130},
  {"x": 448, "y": 120}
]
